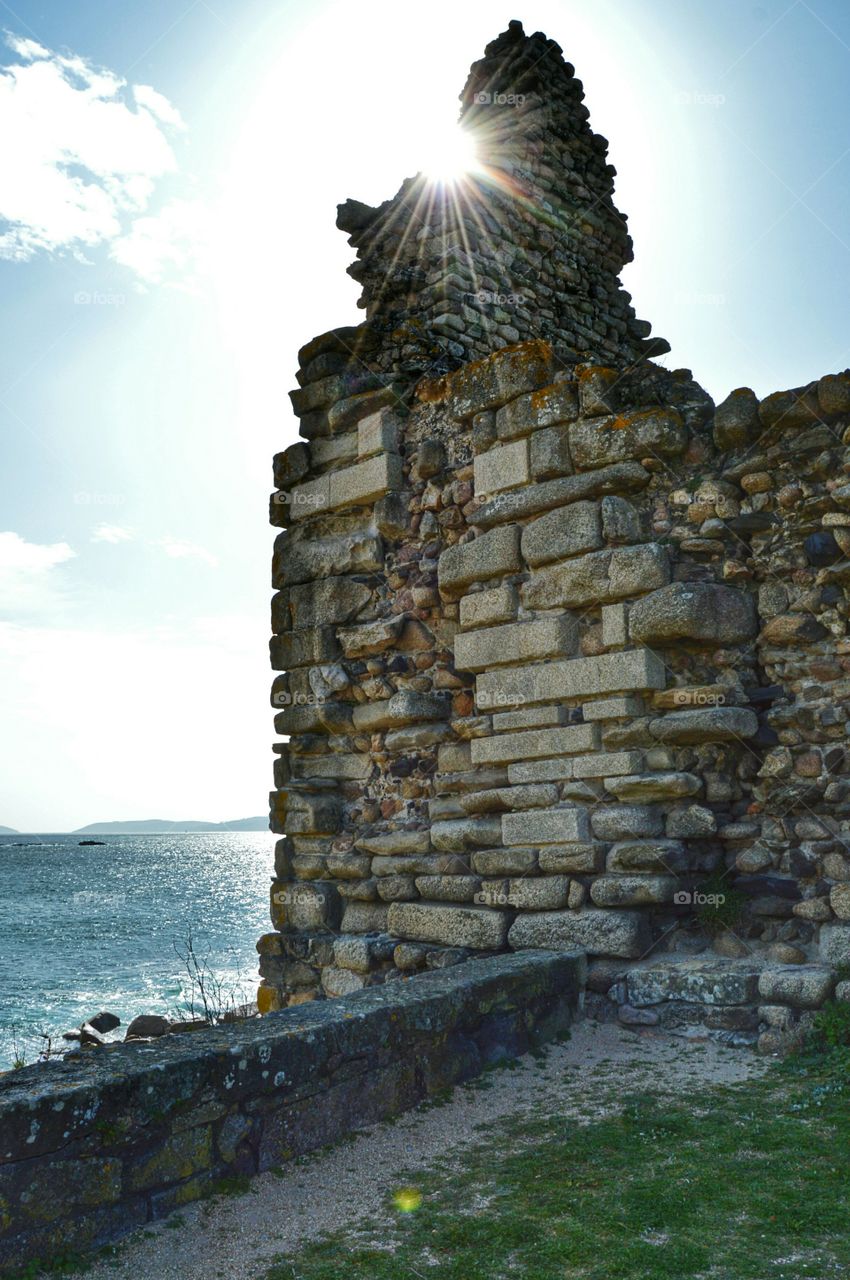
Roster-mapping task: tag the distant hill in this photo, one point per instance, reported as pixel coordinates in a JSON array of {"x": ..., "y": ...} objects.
[
  {"x": 159, "y": 826},
  {"x": 10, "y": 831}
]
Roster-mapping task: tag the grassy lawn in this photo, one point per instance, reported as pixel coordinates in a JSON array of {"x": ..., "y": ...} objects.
[{"x": 747, "y": 1182}]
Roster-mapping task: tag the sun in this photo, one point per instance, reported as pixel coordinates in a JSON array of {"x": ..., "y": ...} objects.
[{"x": 449, "y": 156}]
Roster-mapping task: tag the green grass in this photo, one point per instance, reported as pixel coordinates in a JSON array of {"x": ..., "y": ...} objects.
[{"x": 749, "y": 1182}]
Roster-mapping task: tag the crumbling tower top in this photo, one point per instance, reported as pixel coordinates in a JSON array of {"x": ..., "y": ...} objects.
[{"x": 528, "y": 244}]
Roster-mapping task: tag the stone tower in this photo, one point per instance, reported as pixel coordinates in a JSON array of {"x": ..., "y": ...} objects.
[
  {"x": 530, "y": 245},
  {"x": 561, "y": 647}
]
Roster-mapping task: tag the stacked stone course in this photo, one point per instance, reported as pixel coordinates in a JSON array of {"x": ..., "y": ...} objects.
[{"x": 561, "y": 647}]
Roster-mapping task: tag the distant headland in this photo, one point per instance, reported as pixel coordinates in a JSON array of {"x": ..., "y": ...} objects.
[{"x": 158, "y": 826}]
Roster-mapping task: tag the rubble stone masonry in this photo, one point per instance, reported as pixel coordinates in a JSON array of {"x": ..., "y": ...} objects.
[{"x": 562, "y": 646}]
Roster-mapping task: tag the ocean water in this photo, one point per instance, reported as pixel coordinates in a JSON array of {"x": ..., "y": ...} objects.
[{"x": 84, "y": 929}]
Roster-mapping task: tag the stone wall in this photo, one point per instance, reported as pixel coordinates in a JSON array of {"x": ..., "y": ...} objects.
[
  {"x": 95, "y": 1146},
  {"x": 561, "y": 645}
]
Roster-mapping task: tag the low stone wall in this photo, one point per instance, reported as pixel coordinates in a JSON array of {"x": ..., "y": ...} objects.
[{"x": 98, "y": 1145}]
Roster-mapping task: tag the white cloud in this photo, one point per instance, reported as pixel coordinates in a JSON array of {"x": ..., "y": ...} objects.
[
  {"x": 171, "y": 242},
  {"x": 158, "y": 105},
  {"x": 111, "y": 533},
  {"x": 26, "y": 577},
  {"x": 80, "y": 159},
  {"x": 179, "y": 549}
]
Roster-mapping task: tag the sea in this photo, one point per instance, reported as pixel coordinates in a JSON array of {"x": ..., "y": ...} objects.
[{"x": 85, "y": 928}]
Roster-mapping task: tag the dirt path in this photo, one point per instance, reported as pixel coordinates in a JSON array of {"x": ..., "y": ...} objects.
[{"x": 239, "y": 1237}]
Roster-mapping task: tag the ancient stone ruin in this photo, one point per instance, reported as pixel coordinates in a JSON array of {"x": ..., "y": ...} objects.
[{"x": 562, "y": 646}]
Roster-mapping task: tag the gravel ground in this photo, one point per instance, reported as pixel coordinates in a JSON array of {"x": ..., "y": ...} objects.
[{"x": 239, "y": 1237}]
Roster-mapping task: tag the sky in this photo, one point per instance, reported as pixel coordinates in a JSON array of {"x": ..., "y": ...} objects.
[{"x": 169, "y": 175}]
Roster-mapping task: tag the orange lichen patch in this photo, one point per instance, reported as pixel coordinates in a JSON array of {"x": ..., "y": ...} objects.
[
  {"x": 268, "y": 999},
  {"x": 586, "y": 372},
  {"x": 432, "y": 390},
  {"x": 540, "y": 400},
  {"x": 621, "y": 421},
  {"x": 536, "y": 350}
]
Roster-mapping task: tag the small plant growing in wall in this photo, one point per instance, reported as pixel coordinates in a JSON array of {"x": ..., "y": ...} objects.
[{"x": 719, "y": 907}]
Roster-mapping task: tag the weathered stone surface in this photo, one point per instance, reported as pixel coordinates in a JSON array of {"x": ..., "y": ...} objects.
[
  {"x": 693, "y": 611},
  {"x": 632, "y": 891},
  {"x": 303, "y": 648},
  {"x": 371, "y": 637},
  {"x": 658, "y": 856},
  {"x": 533, "y": 499},
  {"x": 364, "y": 917},
  {"x": 598, "y": 576},
  {"x": 485, "y": 608},
  {"x": 568, "y": 531},
  {"x": 804, "y": 986},
  {"x": 378, "y": 433},
  {"x": 648, "y": 787},
  {"x": 544, "y": 408},
  {"x": 532, "y": 718},
  {"x": 615, "y": 625},
  {"x": 620, "y": 520},
  {"x": 835, "y": 944},
  {"x": 328, "y": 600},
  {"x": 453, "y": 926},
  {"x": 697, "y": 981},
  {"x": 491, "y": 555},
  {"x": 576, "y": 678},
  {"x": 520, "y": 642},
  {"x": 403, "y": 841},
  {"x": 403, "y": 708},
  {"x": 350, "y": 486},
  {"x": 705, "y": 724},
  {"x": 490, "y": 383},
  {"x": 598, "y": 932},
  {"x": 691, "y": 820},
  {"x": 552, "y": 826},
  {"x": 571, "y": 859},
  {"x": 505, "y": 862},
  {"x": 465, "y": 833},
  {"x": 655, "y": 433},
  {"x": 504, "y": 467},
  {"x": 736, "y": 420},
  {"x": 533, "y": 743},
  {"x": 612, "y": 709},
  {"x": 626, "y": 821},
  {"x": 549, "y": 453},
  {"x": 504, "y": 799},
  {"x": 538, "y": 893},
  {"x": 604, "y": 764},
  {"x": 303, "y": 559}
]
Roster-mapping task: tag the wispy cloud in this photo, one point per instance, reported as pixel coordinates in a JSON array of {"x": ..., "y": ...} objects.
[
  {"x": 167, "y": 245},
  {"x": 81, "y": 154},
  {"x": 27, "y": 581},
  {"x": 179, "y": 549},
  {"x": 111, "y": 533}
]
